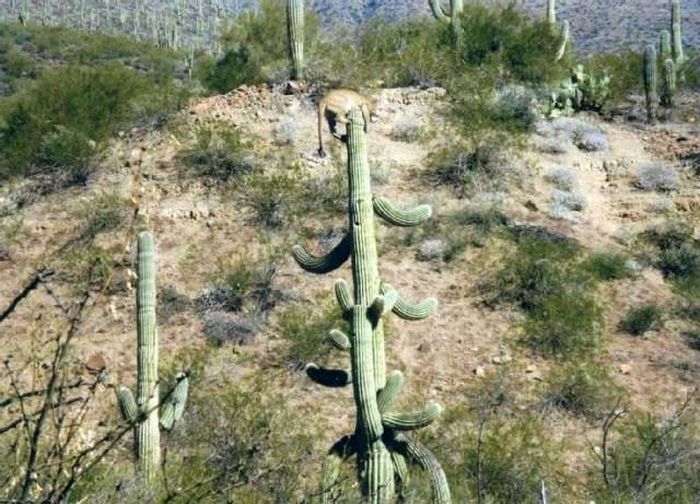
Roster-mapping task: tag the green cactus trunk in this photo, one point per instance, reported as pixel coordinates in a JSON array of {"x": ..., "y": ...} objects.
[
  {"x": 564, "y": 39},
  {"x": 665, "y": 50},
  {"x": 148, "y": 433},
  {"x": 552, "y": 12},
  {"x": 668, "y": 88},
  {"x": 650, "y": 82},
  {"x": 295, "y": 33},
  {"x": 379, "y": 443},
  {"x": 678, "y": 56},
  {"x": 453, "y": 19}
]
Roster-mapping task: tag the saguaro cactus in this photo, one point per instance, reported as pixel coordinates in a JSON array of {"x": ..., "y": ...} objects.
[
  {"x": 668, "y": 86},
  {"x": 552, "y": 11},
  {"x": 380, "y": 441},
  {"x": 650, "y": 82},
  {"x": 295, "y": 33},
  {"x": 452, "y": 18},
  {"x": 678, "y": 56},
  {"x": 143, "y": 412},
  {"x": 564, "y": 39},
  {"x": 665, "y": 50}
]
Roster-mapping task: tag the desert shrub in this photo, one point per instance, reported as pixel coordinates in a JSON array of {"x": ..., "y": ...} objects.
[
  {"x": 591, "y": 141},
  {"x": 562, "y": 178},
  {"x": 287, "y": 131},
  {"x": 171, "y": 302},
  {"x": 657, "y": 177},
  {"x": 582, "y": 388},
  {"x": 306, "y": 330},
  {"x": 470, "y": 168},
  {"x": 649, "y": 458},
  {"x": 641, "y": 319},
  {"x": 408, "y": 129},
  {"x": 624, "y": 69},
  {"x": 276, "y": 198},
  {"x": 432, "y": 250},
  {"x": 218, "y": 152},
  {"x": 107, "y": 212},
  {"x": 564, "y": 202},
  {"x": 70, "y": 109},
  {"x": 545, "y": 278},
  {"x": 608, "y": 266},
  {"x": 92, "y": 265}
]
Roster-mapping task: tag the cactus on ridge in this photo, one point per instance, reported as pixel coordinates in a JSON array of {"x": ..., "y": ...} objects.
[
  {"x": 380, "y": 441},
  {"x": 650, "y": 82},
  {"x": 295, "y": 34}
]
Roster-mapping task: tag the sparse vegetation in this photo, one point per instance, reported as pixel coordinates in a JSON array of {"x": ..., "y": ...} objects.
[
  {"x": 657, "y": 177},
  {"x": 609, "y": 266},
  {"x": 641, "y": 319}
]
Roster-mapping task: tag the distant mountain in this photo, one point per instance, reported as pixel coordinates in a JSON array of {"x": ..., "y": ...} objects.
[{"x": 597, "y": 25}]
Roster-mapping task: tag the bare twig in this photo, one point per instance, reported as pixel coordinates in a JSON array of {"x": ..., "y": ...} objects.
[{"x": 41, "y": 276}]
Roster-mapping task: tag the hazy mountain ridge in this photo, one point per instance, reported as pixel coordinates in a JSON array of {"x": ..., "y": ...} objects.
[{"x": 597, "y": 25}]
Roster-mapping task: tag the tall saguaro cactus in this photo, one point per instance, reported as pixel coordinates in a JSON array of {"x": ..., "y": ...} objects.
[
  {"x": 650, "y": 82},
  {"x": 380, "y": 440},
  {"x": 678, "y": 55},
  {"x": 143, "y": 412},
  {"x": 451, "y": 18},
  {"x": 665, "y": 50},
  {"x": 668, "y": 86},
  {"x": 295, "y": 33}
]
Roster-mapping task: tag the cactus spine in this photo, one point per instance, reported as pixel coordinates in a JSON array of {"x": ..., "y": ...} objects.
[
  {"x": 552, "y": 12},
  {"x": 668, "y": 87},
  {"x": 452, "y": 18},
  {"x": 379, "y": 441},
  {"x": 295, "y": 35},
  {"x": 678, "y": 56},
  {"x": 650, "y": 82},
  {"x": 143, "y": 412}
]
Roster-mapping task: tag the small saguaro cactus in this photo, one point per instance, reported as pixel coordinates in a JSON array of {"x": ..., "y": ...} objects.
[
  {"x": 295, "y": 34},
  {"x": 678, "y": 55},
  {"x": 452, "y": 18},
  {"x": 564, "y": 39},
  {"x": 380, "y": 441},
  {"x": 668, "y": 86},
  {"x": 650, "y": 82},
  {"x": 552, "y": 11},
  {"x": 143, "y": 411}
]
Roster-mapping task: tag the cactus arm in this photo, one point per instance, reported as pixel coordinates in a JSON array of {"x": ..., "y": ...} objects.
[
  {"x": 382, "y": 305},
  {"x": 295, "y": 32},
  {"x": 551, "y": 12},
  {"x": 665, "y": 50},
  {"x": 342, "y": 294},
  {"x": 411, "y": 311},
  {"x": 426, "y": 461},
  {"x": 127, "y": 404},
  {"x": 339, "y": 339},
  {"x": 323, "y": 264},
  {"x": 565, "y": 34},
  {"x": 333, "y": 378},
  {"x": 148, "y": 433},
  {"x": 341, "y": 450},
  {"x": 669, "y": 83},
  {"x": 387, "y": 396},
  {"x": 439, "y": 11},
  {"x": 174, "y": 406},
  {"x": 412, "y": 420},
  {"x": 400, "y": 466},
  {"x": 403, "y": 218},
  {"x": 678, "y": 55}
]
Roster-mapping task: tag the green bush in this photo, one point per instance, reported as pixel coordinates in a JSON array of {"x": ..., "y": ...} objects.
[
  {"x": 624, "y": 69},
  {"x": 608, "y": 266},
  {"x": 218, "y": 152},
  {"x": 70, "y": 108},
  {"x": 582, "y": 388},
  {"x": 641, "y": 319}
]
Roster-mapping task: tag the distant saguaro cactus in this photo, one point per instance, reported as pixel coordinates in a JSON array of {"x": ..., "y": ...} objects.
[
  {"x": 650, "y": 82},
  {"x": 552, "y": 11},
  {"x": 452, "y": 18},
  {"x": 380, "y": 440},
  {"x": 143, "y": 411},
  {"x": 668, "y": 86},
  {"x": 678, "y": 55},
  {"x": 295, "y": 33}
]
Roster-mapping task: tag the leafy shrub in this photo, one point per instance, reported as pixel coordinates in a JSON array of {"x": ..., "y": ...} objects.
[
  {"x": 107, "y": 212},
  {"x": 582, "y": 388},
  {"x": 608, "y": 266},
  {"x": 624, "y": 69},
  {"x": 276, "y": 197},
  {"x": 657, "y": 177},
  {"x": 68, "y": 111},
  {"x": 219, "y": 152},
  {"x": 641, "y": 319}
]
